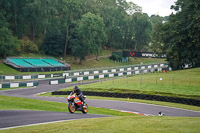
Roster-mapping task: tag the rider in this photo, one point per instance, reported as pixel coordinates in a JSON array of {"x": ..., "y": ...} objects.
[{"x": 78, "y": 93}]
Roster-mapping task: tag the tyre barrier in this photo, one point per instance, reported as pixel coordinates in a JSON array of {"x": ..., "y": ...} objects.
[{"x": 136, "y": 96}]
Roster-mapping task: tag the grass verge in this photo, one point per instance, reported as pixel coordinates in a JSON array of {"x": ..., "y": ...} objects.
[
  {"x": 106, "y": 62},
  {"x": 1, "y": 89},
  {"x": 126, "y": 124},
  {"x": 184, "y": 83},
  {"x": 15, "y": 103}
]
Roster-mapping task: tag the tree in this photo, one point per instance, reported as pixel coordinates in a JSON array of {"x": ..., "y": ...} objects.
[
  {"x": 37, "y": 20},
  {"x": 3, "y": 19},
  {"x": 92, "y": 33},
  {"x": 78, "y": 49},
  {"x": 70, "y": 12},
  {"x": 156, "y": 45},
  {"x": 156, "y": 20},
  {"x": 9, "y": 45},
  {"x": 180, "y": 36},
  {"x": 132, "y": 8},
  {"x": 91, "y": 36},
  {"x": 16, "y": 14},
  {"x": 142, "y": 27},
  {"x": 53, "y": 44},
  {"x": 113, "y": 15}
]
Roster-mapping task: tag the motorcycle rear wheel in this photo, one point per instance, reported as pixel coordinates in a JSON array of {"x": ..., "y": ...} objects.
[
  {"x": 71, "y": 108},
  {"x": 85, "y": 108}
]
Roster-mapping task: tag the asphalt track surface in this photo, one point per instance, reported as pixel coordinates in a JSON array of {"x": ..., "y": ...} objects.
[
  {"x": 20, "y": 117},
  {"x": 17, "y": 118}
]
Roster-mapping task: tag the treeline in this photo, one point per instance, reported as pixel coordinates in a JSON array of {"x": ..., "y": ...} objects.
[
  {"x": 179, "y": 38},
  {"x": 82, "y": 27},
  {"x": 75, "y": 27}
]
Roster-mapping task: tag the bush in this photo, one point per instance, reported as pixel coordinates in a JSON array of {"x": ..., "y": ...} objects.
[
  {"x": 27, "y": 46},
  {"x": 115, "y": 57}
]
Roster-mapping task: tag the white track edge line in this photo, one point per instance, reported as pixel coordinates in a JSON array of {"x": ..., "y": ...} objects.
[
  {"x": 151, "y": 105},
  {"x": 42, "y": 123}
]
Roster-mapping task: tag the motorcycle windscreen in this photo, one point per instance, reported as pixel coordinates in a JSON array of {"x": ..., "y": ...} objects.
[{"x": 77, "y": 101}]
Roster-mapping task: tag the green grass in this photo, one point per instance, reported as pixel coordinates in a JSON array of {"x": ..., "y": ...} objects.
[
  {"x": 15, "y": 103},
  {"x": 184, "y": 83},
  {"x": 1, "y": 89},
  {"x": 4, "y": 69},
  {"x": 126, "y": 124},
  {"x": 105, "y": 62}
]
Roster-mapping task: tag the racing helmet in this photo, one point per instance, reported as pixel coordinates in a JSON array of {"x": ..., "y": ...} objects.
[{"x": 75, "y": 87}]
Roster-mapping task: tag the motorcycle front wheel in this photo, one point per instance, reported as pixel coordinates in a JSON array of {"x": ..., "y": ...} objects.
[
  {"x": 85, "y": 108},
  {"x": 71, "y": 108}
]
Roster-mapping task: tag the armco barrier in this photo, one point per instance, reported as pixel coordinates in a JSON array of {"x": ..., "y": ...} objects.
[
  {"x": 106, "y": 75},
  {"x": 85, "y": 72},
  {"x": 20, "y": 84},
  {"x": 136, "y": 96},
  {"x": 35, "y": 76}
]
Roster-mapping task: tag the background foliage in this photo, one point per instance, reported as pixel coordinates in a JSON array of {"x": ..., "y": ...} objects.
[
  {"x": 179, "y": 38},
  {"x": 80, "y": 28},
  {"x": 39, "y": 22}
]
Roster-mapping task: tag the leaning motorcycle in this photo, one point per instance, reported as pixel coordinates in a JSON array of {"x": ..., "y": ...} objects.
[{"x": 75, "y": 104}]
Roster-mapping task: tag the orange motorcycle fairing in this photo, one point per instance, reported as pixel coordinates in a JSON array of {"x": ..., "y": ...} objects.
[{"x": 77, "y": 101}]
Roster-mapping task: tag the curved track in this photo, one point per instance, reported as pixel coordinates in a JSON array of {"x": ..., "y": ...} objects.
[
  {"x": 18, "y": 118},
  {"x": 8, "y": 116}
]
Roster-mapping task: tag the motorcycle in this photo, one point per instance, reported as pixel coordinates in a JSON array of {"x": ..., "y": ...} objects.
[{"x": 75, "y": 104}]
